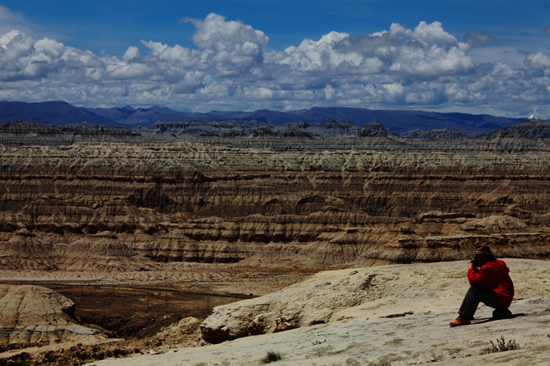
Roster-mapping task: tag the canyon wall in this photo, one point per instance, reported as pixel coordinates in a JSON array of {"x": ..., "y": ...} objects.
[{"x": 132, "y": 207}]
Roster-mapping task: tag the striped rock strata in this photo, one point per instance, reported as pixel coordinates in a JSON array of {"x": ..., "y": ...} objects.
[{"x": 130, "y": 207}]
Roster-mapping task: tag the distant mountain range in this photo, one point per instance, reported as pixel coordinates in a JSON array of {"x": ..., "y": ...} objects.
[
  {"x": 50, "y": 113},
  {"x": 62, "y": 113}
]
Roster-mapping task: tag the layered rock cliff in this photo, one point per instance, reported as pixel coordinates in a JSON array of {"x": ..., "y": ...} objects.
[{"x": 128, "y": 206}]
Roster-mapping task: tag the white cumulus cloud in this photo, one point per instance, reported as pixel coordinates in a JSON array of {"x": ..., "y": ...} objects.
[
  {"x": 230, "y": 68},
  {"x": 229, "y": 47},
  {"x": 538, "y": 60}
]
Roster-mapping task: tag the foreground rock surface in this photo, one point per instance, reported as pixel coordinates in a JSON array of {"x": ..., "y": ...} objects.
[
  {"x": 401, "y": 319},
  {"x": 384, "y": 291},
  {"x": 37, "y": 316}
]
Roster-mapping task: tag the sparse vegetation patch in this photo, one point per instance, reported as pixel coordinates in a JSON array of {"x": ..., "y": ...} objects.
[
  {"x": 271, "y": 356},
  {"x": 500, "y": 345}
]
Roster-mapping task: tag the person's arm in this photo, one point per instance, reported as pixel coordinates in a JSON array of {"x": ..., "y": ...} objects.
[{"x": 482, "y": 276}]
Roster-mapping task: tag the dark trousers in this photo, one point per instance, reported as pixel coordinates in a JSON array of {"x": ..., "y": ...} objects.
[{"x": 477, "y": 294}]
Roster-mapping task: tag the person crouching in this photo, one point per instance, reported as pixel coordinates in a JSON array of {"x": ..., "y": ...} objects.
[{"x": 490, "y": 284}]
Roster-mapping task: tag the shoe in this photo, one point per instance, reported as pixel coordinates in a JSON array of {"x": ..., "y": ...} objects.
[
  {"x": 460, "y": 321},
  {"x": 502, "y": 314}
]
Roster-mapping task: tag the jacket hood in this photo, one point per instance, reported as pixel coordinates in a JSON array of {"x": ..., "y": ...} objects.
[{"x": 498, "y": 264}]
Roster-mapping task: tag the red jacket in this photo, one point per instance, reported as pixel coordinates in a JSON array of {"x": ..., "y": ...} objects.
[{"x": 494, "y": 276}]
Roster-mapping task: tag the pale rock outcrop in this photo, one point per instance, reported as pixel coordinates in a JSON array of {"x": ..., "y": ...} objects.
[
  {"x": 379, "y": 292},
  {"x": 34, "y": 315}
]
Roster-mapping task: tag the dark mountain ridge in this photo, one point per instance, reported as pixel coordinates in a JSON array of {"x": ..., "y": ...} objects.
[
  {"x": 50, "y": 113},
  {"x": 396, "y": 121}
]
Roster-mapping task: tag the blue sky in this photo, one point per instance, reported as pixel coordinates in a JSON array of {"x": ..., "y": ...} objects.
[{"x": 461, "y": 55}]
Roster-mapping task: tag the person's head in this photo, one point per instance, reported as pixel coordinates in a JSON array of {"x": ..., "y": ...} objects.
[{"x": 483, "y": 255}]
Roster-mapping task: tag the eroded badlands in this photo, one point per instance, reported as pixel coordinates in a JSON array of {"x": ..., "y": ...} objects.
[
  {"x": 255, "y": 216},
  {"x": 128, "y": 207}
]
